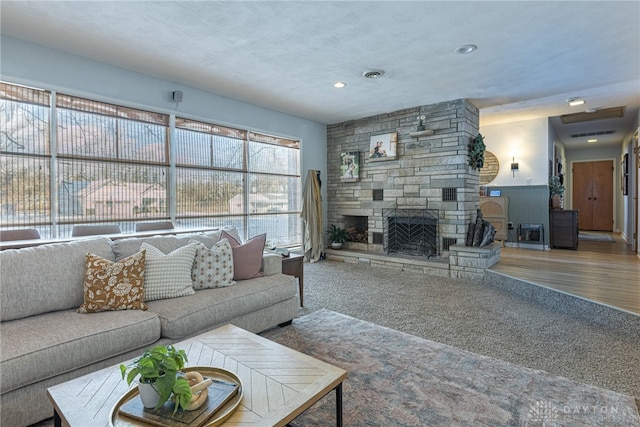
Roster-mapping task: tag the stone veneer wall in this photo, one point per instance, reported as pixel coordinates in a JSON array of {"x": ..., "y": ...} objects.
[{"x": 424, "y": 166}]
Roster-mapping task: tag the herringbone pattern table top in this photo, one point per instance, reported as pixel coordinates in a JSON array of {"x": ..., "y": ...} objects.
[{"x": 278, "y": 383}]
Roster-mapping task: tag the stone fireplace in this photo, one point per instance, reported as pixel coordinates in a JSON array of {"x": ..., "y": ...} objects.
[{"x": 430, "y": 173}]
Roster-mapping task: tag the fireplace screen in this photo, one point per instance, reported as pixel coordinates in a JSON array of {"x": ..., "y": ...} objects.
[{"x": 411, "y": 232}]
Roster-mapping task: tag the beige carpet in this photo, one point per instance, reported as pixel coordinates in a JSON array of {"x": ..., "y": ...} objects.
[
  {"x": 555, "y": 333},
  {"x": 396, "y": 379}
]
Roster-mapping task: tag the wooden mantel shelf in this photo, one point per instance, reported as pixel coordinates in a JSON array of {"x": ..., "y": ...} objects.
[{"x": 418, "y": 134}]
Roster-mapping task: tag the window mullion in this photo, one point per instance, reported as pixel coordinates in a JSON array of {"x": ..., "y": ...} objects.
[
  {"x": 172, "y": 181},
  {"x": 53, "y": 168}
]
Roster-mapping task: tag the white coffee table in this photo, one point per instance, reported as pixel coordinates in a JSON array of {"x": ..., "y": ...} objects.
[{"x": 279, "y": 383}]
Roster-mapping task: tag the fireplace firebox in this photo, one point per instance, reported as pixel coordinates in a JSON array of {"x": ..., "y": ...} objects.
[{"x": 411, "y": 232}]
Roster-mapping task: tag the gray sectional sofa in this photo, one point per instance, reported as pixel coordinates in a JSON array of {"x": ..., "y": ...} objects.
[{"x": 44, "y": 341}]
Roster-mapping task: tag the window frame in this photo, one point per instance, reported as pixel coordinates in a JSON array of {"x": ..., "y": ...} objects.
[{"x": 60, "y": 103}]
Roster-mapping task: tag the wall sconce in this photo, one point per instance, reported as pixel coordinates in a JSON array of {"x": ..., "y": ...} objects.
[{"x": 514, "y": 167}]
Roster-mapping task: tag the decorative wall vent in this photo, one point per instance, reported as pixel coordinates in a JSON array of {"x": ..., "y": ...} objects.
[
  {"x": 447, "y": 242},
  {"x": 378, "y": 238},
  {"x": 602, "y": 132},
  {"x": 378, "y": 195},
  {"x": 450, "y": 194}
]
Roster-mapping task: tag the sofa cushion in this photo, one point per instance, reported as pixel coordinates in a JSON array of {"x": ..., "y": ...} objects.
[
  {"x": 123, "y": 248},
  {"x": 46, "y": 278},
  {"x": 247, "y": 257},
  {"x": 112, "y": 285},
  {"x": 212, "y": 267},
  {"x": 41, "y": 347},
  {"x": 184, "y": 317},
  {"x": 168, "y": 276}
]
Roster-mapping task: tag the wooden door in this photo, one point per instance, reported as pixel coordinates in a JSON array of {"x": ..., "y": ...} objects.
[
  {"x": 603, "y": 196},
  {"x": 593, "y": 194},
  {"x": 636, "y": 199},
  {"x": 582, "y": 188}
]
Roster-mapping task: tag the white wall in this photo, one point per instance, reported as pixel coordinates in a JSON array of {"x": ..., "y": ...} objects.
[
  {"x": 35, "y": 65},
  {"x": 528, "y": 143}
]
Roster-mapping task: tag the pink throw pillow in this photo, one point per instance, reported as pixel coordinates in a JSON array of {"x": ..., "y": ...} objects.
[{"x": 247, "y": 257}]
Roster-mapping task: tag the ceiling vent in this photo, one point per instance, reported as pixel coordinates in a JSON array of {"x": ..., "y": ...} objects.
[
  {"x": 603, "y": 132},
  {"x": 604, "y": 113},
  {"x": 373, "y": 74}
]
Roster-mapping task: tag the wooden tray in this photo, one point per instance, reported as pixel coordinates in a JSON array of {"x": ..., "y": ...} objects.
[{"x": 219, "y": 417}]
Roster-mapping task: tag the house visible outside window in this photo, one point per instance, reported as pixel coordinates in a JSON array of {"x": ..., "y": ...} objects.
[{"x": 111, "y": 164}]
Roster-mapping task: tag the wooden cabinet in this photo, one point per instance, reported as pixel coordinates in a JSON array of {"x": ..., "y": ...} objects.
[
  {"x": 564, "y": 229},
  {"x": 496, "y": 211},
  {"x": 293, "y": 265}
]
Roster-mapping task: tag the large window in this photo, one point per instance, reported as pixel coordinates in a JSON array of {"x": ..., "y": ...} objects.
[{"x": 113, "y": 164}]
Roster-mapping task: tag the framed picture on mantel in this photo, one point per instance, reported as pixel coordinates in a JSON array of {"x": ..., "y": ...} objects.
[{"x": 383, "y": 147}]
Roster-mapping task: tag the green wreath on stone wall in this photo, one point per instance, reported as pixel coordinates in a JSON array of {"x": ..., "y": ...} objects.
[{"x": 476, "y": 152}]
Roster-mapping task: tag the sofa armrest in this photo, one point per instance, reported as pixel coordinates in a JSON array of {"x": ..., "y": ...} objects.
[{"x": 271, "y": 264}]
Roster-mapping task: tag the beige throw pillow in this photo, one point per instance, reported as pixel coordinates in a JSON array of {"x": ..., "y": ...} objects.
[
  {"x": 113, "y": 285},
  {"x": 168, "y": 276},
  {"x": 212, "y": 268}
]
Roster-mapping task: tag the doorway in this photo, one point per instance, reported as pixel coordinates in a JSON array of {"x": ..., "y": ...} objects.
[
  {"x": 636, "y": 194},
  {"x": 593, "y": 194}
]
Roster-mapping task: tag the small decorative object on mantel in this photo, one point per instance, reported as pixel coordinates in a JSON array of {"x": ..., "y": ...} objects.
[
  {"x": 476, "y": 152},
  {"x": 420, "y": 124},
  {"x": 556, "y": 190}
]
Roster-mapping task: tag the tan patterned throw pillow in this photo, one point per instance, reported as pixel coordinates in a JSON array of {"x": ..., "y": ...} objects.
[
  {"x": 212, "y": 268},
  {"x": 113, "y": 285}
]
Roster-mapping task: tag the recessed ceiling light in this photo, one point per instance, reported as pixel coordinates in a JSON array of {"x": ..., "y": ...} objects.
[
  {"x": 339, "y": 85},
  {"x": 467, "y": 48},
  {"x": 574, "y": 102},
  {"x": 373, "y": 74},
  {"x": 592, "y": 141}
]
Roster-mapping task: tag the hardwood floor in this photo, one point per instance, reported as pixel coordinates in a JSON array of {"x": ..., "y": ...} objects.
[{"x": 603, "y": 272}]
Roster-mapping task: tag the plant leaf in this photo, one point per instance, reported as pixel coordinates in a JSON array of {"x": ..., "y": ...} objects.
[{"x": 182, "y": 391}]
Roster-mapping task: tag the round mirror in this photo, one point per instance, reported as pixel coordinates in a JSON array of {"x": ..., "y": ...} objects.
[{"x": 490, "y": 169}]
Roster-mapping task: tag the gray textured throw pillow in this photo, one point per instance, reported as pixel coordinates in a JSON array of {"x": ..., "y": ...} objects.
[{"x": 168, "y": 276}]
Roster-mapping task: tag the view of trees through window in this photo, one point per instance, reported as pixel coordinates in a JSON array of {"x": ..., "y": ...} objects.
[{"x": 108, "y": 164}]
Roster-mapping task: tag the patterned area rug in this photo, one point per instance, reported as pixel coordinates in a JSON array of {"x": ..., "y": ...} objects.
[
  {"x": 591, "y": 237},
  {"x": 396, "y": 379}
]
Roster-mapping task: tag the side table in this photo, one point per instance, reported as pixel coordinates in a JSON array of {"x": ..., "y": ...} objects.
[{"x": 293, "y": 265}]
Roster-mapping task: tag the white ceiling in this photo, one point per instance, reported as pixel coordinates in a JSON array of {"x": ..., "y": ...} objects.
[{"x": 286, "y": 55}]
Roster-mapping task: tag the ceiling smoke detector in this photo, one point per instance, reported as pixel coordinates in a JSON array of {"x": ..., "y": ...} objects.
[{"x": 373, "y": 74}]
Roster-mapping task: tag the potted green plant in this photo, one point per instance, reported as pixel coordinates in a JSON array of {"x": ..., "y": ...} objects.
[
  {"x": 158, "y": 369},
  {"x": 337, "y": 236},
  {"x": 556, "y": 190}
]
